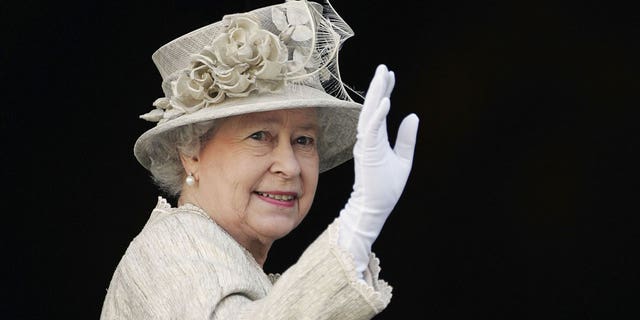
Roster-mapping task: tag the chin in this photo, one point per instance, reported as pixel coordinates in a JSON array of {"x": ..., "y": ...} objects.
[{"x": 278, "y": 227}]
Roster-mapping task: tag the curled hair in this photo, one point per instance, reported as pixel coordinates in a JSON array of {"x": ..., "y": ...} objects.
[{"x": 166, "y": 168}]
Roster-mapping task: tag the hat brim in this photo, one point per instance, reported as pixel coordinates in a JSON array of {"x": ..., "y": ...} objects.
[{"x": 338, "y": 121}]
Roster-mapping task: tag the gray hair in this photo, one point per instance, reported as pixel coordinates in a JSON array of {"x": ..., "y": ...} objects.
[{"x": 166, "y": 168}]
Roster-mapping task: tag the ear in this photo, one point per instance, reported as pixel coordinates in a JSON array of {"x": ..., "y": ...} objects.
[{"x": 190, "y": 164}]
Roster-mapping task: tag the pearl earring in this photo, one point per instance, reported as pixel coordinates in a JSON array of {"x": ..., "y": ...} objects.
[{"x": 190, "y": 180}]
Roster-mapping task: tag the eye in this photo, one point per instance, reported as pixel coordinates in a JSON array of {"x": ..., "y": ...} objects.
[
  {"x": 305, "y": 141},
  {"x": 260, "y": 136}
]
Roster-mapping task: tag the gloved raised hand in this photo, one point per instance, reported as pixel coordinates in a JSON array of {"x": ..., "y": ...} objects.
[{"x": 380, "y": 171}]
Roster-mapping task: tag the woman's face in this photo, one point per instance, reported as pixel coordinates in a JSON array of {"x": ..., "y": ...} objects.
[{"x": 257, "y": 175}]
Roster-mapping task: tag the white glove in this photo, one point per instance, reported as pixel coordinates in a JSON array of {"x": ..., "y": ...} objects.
[{"x": 380, "y": 172}]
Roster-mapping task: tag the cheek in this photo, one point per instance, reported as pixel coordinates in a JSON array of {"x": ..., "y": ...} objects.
[
  {"x": 310, "y": 172},
  {"x": 232, "y": 175},
  {"x": 311, "y": 179},
  {"x": 246, "y": 172},
  {"x": 236, "y": 182}
]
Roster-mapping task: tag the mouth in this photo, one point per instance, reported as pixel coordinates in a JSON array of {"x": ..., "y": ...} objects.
[{"x": 279, "y": 198}]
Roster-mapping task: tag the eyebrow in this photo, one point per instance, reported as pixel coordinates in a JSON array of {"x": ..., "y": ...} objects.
[{"x": 307, "y": 125}]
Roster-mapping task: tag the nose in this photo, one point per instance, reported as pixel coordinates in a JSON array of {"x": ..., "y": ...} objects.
[{"x": 285, "y": 161}]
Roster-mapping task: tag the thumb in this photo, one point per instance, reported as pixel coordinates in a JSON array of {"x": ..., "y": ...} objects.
[{"x": 406, "y": 139}]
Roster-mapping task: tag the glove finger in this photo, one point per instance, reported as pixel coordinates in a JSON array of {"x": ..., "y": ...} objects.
[
  {"x": 391, "y": 82},
  {"x": 378, "y": 85},
  {"x": 376, "y": 91},
  {"x": 406, "y": 139},
  {"x": 377, "y": 129}
]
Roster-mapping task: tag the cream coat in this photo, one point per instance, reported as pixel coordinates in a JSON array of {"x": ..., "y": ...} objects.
[{"x": 184, "y": 266}]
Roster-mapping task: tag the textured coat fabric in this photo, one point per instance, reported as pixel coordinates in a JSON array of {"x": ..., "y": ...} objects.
[{"x": 184, "y": 266}]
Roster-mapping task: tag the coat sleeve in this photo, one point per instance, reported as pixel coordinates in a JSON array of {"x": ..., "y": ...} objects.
[{"x": 323, "y": 284}]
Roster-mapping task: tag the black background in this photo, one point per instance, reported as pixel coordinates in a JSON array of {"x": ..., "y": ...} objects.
[{"x": 522, "y": 203}]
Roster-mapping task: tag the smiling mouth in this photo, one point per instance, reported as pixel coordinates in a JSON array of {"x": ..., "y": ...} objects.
[{"x": 279, "y": 197}]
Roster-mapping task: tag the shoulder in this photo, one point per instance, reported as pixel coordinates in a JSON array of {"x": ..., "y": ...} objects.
[
  {"x": 178, "y": 233},
  {"x": 166, "y": 270},
  {"x": 184, "y": 239},
  {"x": 180, "y": 262},
  {"x": 178, "y": 236}
]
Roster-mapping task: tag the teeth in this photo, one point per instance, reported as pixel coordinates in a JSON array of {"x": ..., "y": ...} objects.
[{"x": 281, "y": 197}]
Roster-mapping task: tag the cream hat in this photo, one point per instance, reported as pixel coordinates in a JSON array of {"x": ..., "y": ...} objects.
[{"x": 277, "y": 57}]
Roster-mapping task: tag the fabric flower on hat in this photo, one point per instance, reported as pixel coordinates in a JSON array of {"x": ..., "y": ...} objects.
[
  {"x": 293, "y": 22},
  {"x": 244, "y": 59}
]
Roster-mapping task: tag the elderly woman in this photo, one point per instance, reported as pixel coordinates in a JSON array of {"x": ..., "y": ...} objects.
[{"x": 254, "y": 111}]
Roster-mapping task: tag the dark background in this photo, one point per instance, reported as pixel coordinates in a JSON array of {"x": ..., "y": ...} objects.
[{"x": 522, "y": 203}]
